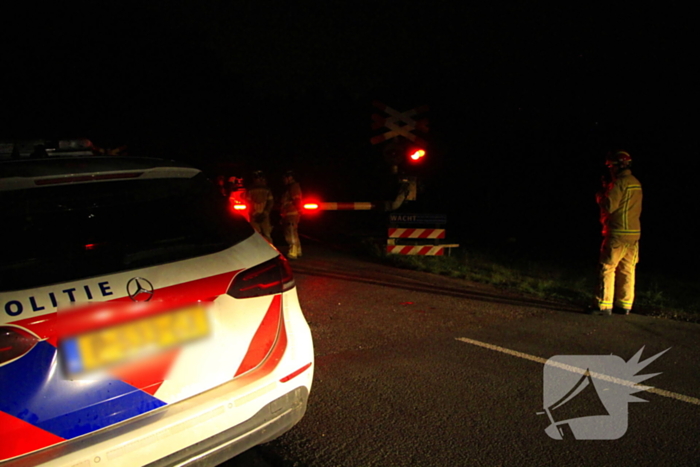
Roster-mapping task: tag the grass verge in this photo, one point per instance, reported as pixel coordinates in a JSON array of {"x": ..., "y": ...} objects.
[{"x": 656, "y": 294}]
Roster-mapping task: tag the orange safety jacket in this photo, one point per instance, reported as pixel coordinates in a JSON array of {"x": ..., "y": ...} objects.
[{"x": 621, "y": 206}]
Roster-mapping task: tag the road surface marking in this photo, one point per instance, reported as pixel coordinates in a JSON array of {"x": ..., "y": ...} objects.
[{"x": 573, "y": 369}]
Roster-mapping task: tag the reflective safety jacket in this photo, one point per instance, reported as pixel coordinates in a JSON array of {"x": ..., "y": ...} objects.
[
  {"x": 290, "y": 204},
  {"x": 260, "y": 198},
  {"x": 621, "y": 206}
]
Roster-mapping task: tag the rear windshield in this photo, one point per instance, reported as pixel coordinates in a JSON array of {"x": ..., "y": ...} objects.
[{"x": 68, "y": 232}]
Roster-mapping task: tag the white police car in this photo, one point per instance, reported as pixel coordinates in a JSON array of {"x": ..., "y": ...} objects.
[{"x": 142, "y": 321}]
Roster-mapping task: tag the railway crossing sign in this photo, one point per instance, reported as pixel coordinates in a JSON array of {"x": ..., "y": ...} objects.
[
  {"x": 399, "y": 124},
  {"x": 417, "y": 218}
]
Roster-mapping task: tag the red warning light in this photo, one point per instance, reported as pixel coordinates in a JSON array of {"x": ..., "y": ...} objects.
[
  {"x": 417, "y": 155},
  {"x": 239, "y": 208},
  {"x": 311, "y": 206}
]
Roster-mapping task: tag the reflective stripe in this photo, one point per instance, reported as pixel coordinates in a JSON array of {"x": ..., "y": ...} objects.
[
  {"x": 264, "y": 338},
  {"x": 625, "y": 232}
]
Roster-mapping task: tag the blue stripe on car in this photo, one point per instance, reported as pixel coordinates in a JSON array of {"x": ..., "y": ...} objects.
[{"x": 34, "y": 389}]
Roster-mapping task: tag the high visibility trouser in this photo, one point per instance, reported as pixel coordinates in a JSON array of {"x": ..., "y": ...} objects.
[
  {"x": 291, "y": 234},
  {"x": 618, "y": 261}
]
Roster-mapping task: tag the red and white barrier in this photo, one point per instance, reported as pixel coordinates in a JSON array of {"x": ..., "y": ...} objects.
[
  {"x": 427, "y": 250},
  {"x": 430, "y": 244},
  {"x": 348, "y": 206},
  {"x": 416, "y": 233}
]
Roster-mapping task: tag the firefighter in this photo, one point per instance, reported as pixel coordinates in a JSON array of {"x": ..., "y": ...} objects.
[
  {"x": 620, "y": 202},
  {"x": 290, "y": 212},
  {"x": 260, "y": 203}
]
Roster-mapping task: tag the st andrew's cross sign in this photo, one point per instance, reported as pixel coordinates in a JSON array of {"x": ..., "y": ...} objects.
[{"x": 399, "y": 124}]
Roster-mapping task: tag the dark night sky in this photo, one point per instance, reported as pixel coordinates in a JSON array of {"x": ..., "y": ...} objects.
[{"x": 524, "y": 100}]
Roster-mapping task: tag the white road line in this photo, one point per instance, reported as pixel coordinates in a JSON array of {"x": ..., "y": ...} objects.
[{"x": 515, "y": 353}]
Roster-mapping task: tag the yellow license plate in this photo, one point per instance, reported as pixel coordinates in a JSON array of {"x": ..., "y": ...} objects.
[{"x": 128, "y": 341}]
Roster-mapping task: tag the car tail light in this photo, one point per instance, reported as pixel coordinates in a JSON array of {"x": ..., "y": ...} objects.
[
  {"x": 271, "y": 277},
  {"x": 15, "y": 342}
]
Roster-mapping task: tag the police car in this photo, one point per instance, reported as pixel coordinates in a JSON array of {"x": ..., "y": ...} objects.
[{"x": 142, "y": 320}]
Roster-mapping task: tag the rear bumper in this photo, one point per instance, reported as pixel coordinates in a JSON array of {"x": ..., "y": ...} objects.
[{"x": 271, "y": 421}]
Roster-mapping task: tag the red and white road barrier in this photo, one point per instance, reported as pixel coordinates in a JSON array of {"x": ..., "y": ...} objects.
[
  {"x": 427, "y": 250},
  {"x": 416, "y": 233},
  {"x": 423, "y": 241},
  {"x": 348, "y": 206}
]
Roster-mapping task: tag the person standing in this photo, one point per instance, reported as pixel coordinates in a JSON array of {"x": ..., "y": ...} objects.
[
  {"x": 620, "y": 203},
  {"x": 290, "y": 212},
  {"x": 260, "y": 203}
]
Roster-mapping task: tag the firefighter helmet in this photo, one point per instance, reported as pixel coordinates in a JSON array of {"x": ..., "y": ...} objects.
[{"x": 620, "y": 159}]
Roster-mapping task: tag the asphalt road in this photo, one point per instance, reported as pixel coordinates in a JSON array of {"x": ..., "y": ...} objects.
[{"x": 423, "y": 370}]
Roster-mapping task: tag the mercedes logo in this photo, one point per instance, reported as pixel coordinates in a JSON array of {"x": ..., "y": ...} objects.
[{"x": 139, "y": 289}]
